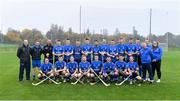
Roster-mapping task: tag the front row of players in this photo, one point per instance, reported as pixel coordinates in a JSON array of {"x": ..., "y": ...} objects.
[{"x": 108, "y": 71}]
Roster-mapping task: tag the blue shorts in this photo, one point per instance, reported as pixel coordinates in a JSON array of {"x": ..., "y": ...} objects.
[{"x": 36, "y": 63}]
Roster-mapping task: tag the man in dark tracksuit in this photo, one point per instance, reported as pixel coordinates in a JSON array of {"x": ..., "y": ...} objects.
[
  {"x": 47, "y": 51},
  {"x": 23, "y": 54}
]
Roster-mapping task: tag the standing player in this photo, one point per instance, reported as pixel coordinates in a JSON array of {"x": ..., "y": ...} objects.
[
  {"x": 58, "y": 50},
  {"x": 36, "y": 52},
  {"x": 71, "y": 70},
  {"x": 47, "y": 51},
  {"x": 46, "y": 70},
  {"x": 84, "y": 67},
  {"x": 132, "y": 69},
  {"x": 131, "y": 49},
  {"x": 87, "y": 50},
  {"x": 146, "y": 55},
  {"x": 77, "y": 51},
  {"x": 96, "y": 49},
  {"x": 60, "y": 67},
  {"x": 112, "y": 51},
  {"x": 156, "y": 60},
  {"x": 108, "y": 70},
  {"x": 68, "y": 51},
  {"x": 121, "y": 47},
  {"x": 103, "y": 50},
  {"x": 138, "y": 58},
  {"x": 120, "y": 68}
]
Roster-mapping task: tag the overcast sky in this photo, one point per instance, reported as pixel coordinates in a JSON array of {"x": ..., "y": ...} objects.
[{"x": 96, "y": 15}]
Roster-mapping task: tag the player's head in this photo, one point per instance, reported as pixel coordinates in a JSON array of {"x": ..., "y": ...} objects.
[
  {"x": 25, "y": 42},
  {"x": 131, "y": 59},
  {"x": 137, "y": 41},
  {"x": 155, "y": 44},
  {"x": 84, "y": 58},
  {"x": 68, "y": 41},
  {"x": 108, "y": 59},
  {"x": 96, "y": 42},
  {"x": 121, "y": 40},
  {"x": 49, "y": 42},
  {"x": 78, "y": 43},
  {"x": 96, "y": 57},
  {"x": 58, "y": 42},
  {"x": 144, "y": 44},
  {"x": 46, "y": 61},
  {"x": 72, "y": 59},
  {"x": 87, "y": 40},
  {"x": 60, "y": 58},
  {"x": 121, "y": 58},
  {"x": 112, "y": 42},
  {"x": 130, "y": 40},
  {"x": 147, "y": 41},
  {"x": 37, "y": 43}
]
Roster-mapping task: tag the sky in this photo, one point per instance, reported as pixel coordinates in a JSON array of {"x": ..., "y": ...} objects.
[{"x": 96, "y": 15}]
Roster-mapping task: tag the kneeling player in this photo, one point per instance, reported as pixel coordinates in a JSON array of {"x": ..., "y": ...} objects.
[
  {"x": 120, "y": 68},
  {"x": 132, "y": 69},
  {"x": 71, "y": 70},
  {"x": 60, "y": 68},
  {"x": 84, "y": 67},
  {"x": 108, "y": 70},
  {"x": 96, "y": 66},
  {"x": 46, "y": 70}
]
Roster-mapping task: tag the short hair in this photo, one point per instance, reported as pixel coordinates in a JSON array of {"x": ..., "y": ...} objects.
[{"x": 87, "y": 39}]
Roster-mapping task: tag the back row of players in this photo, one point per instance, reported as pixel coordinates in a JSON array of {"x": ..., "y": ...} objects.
[{"x": 111, "y": 61}]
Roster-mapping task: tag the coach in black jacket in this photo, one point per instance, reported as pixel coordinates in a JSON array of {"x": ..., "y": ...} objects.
[
  {"x": 47, "y": 51},
  {"x": 23, "y": 54}
]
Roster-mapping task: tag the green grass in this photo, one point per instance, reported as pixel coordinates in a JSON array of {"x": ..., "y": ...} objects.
[{"x": 10, "y": 88}]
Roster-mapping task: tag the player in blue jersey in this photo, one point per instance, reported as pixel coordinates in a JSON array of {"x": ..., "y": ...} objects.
[
  {"x": 96, "y": 49},
  {"x": 68, "y": 51},
  {"x": 46, "y": 70},
  {"x": 121, "y": 47},
  {"x": 59, "y": 69},
  {"x": 84, "y": 67},
  {"x": 103, "y": 50},
  {"x": 120, "y": 69},
  {"x": 96, "y": 66},
  {"x": 86, "y": 49},
  {"x": 77, "y": 52},
  {"x": 132, "y": 69},
  {"x": 108, "y": 70},
  {"x": 112, "y": 51},
  {"x": 130, "y": 49},
  {"x": 71, "y": 70},
  {"x": 58, "y": 50}
]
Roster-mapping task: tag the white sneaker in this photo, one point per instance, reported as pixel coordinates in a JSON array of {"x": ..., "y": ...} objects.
[
  {"x": 158, "y": 81},
  {"x": 131, "y": 83}
]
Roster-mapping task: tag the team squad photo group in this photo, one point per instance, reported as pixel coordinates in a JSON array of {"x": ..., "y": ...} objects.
[{"x": 134, "y": 62}]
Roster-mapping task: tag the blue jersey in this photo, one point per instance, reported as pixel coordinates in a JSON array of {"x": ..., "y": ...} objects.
[
  {"x": 108, "y": 66},
  {"x": 157, "y": 53},
  {"x": 138, "y": 47},
  {"x": 146, "y": 55},
  {"x": 132, "y": 65},
  {"x": 112, "y": 50},
  {"x": 46, "y": 67},
  {"x": 131, "y": 48},
  {"x": 96, "y": 65},
  {"x": 103, "y": 48},
  {"x": 68, "y": 49},
  {"x": 84, "y": 66},
  {"x": 60, "y": 65},
  {"x": 58, "y": 49},
  {"x": 72, "y": 66},
  {"x": 120, "y": 65},
  {"x": 95, "y": 50},
  {"x": 87, "y": 48},
  {"x": 121, "y": 48},
  {"x": 77, "y": 52}
]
